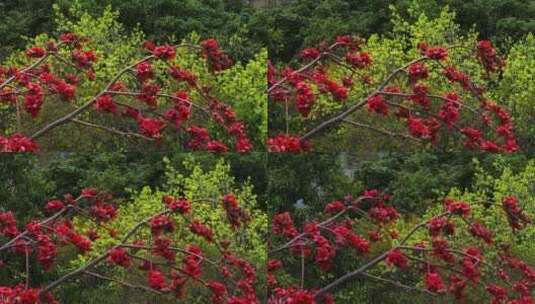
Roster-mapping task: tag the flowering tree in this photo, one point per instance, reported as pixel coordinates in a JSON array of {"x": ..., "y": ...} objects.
[
  {"x": 169, "y": 269},
  {"x": 405, "y": 95},
  {"x": 154, "y": 92},
  {"x": 442, "y": 268}
]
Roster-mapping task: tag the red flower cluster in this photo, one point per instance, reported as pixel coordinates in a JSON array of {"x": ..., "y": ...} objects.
[
  {"x": 83, "y": 59},
  {"x": 288, "y": 143},
  {"x": 457, "y": 207},
  {"x": 202, "y": 230},
  {"x": 449, "y": 111},
  {"x": 282, "y": 223},
  {"x": 54, "y": 206},
  {"x": 517, "y": 218},
  {"x": 359, "y": 60},
  {"x": 304, "y": 98},
  {"x": 235, "y": 214},
  {"x": 487, "y": 56},
  {"x": 161, "y": 223},
  {"x": 454, "y": 75},
  {"x": 434, "y": 282},
  {"x": 217, "y": 60},
  {"x": 439, "y": 225},
  {"x": 334, "y": 207},
  {"x": 17, "y": 143},
  {"x": 162, "y": 248},
  {"x": 180, "y": 205},
  {"x": 105, "y": 103},
  {"x": 144, "y": 71},
  {"x": 151, "y": 127},
  {"x": 383, "y": 214},
  {"x": 417, "y": 71},
  {"x": 103, "y": 212},
  {"x": 8, "y": 224},
  {"x": 157, "y": 280},
  {"x": 119, "y": 256},
  {"x": 164, "y": 52},
  {"x": 183, "y": 75},
  {"x": 437, "y": 53},
  {"x": 35, "y": 52},
  {"x": 397, "y": 258},
  {"x": 478, "y": 230},
  {"x": 376, "y": 104},
  {"x": 310, "y": 53}
]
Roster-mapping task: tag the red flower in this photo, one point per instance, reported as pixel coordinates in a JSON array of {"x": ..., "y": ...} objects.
[
  {"x": 165, "y": 52},
  {"x": 449, "y": 111},
  {"x": 436, "y": 225},
  {"x": 397, "y": 258},
  {"x": 144, "y": 71},
  {"x": 478, "y": 230},
  {"x": 325, "y": 252},
  {"x": 68, "y": 38},
  {"x": 8, "y": 225},
  {"x": 383, "y": 214},
  {"x": 434, "y": 282},
  {"x": 157, "y": 280},
  {"x": 488, "y": 57},
  {"x": 180, "y": 205},
  {"x": 216, "y": 146},
  {"x": 359, "y": 60},
  {"x": 54, "y": 206},
  {"x": 243, "y": 145},
  {"x": 310, "y": 53},
  {"x": 161, "y": 223},
  {"x": 103, "y": 212},
  {"x": 437, "y": 53},
  {"x": 234, "y": 213},
  {"x": 441, "y": 250},
  {"x": 83, "y": 59},
  {"x": 219, "y": 291},
  {"x": 17, "y": 143},
  {"x": 457, "y": 207},
  {"x": 418, "y": 71},
  {"x": 304, "y": 98},
  {"x": 105, "y": 103},
  {"x": 360, "y": 244},
  {"x": 282, "y": 223},
  {"x": 46, "y": 252},
  {"x": 418, "y": 128},
  {"x": 120, "y": 257},
  {"x": 217, "y": 60},
  {"x": 35, "y": 52},
  {"x": 162, "y": 248},
  {"x": 64, "y": 89},
  {"x": 288, "y": 143},
  {"x": 516, "y": 217},
  {"x": 151, "y": 127},
  {"x": 200, "y": 229},
  {"x": 457, "y": 76},
  {"x": 499, "y": 293},
  {"x": 376, "y": 104},
  {"x": 334, "y": 207},
  {"x": 149, "y": 93},
  {"x": 274, "y": 265},
  {"x": 33, "y": 104},
  {"x": 199, "y": 137},
  {"x": 82, "y": 243},
  {"x": 89, "y": 192},
  {"x": 183, "y": 75}
]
